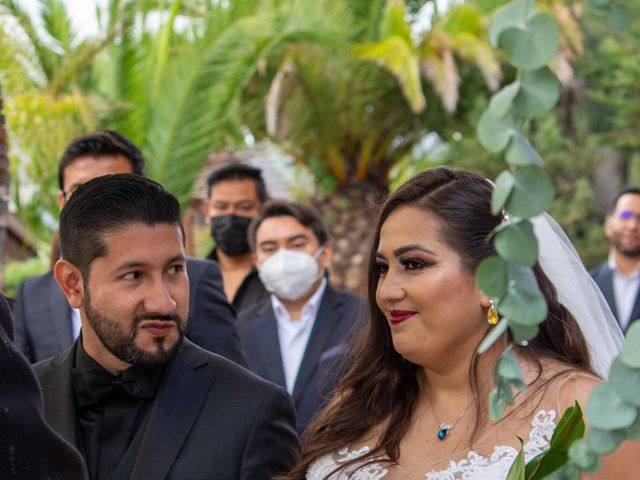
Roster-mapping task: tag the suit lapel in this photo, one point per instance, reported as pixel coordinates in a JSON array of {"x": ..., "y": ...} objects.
[
  {"x": 176, "y": 408},
  {"x": 264, "y": 340},
  {"x": 635, "y": 312},
  {"x": 60, "y": 315},
  {"x": 606, "y": 286},
  {"x": 327, "y": 319},
  {"x": 59, "y": 403}
]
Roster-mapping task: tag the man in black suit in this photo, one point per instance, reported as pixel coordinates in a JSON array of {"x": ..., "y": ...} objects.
[
  {"x": 138, "y": 399},
  {"x": 619, "y": 277},
  {"x": 46, "y": 325},
  {"x": 296, "y": 337}
]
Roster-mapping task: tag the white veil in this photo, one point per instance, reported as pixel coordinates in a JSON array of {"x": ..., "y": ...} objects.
[{"x": 578, "y": 293}]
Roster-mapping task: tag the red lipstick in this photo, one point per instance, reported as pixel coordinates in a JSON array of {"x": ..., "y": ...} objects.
[{"x": 399, "y": 316}]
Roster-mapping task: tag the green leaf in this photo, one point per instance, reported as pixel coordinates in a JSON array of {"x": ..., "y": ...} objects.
[
  {"x": 501, "y": 102},
  {"x": 599, "y": 3},
  {"x": 633, "y": 432},
  {"x": 513, "y": 14},
  {"x": 630, "y": 355},
  {"x": 522, "y": 333},
  {"x": 395, "y": 54},
  {"x": 523, "y": 304},
  {"x": 492, "y": 276},
  {"x": 583, "y": 456},
  {"x": 539, "y": 92},
  {"x": 502, "y": 190},
  {"x": 604, "y": 441},
  {"x": 520, "y": 152},
  {"x": 532, "y": 47},
  {"x": 517, "y": 243},
  {"x": 570, "y": 428},
  {"x": 496, "y": 332},
  {"x": 532, "y": 192},
  {"x": 509, "y": 369},
  {"x": 394, "y": 21},
  {"x": 493, "y": 132},
  {"x": 625, "y": 381},
  {"x": 619, "y": 16},
  {"x": 516, "y": 472},
  {"x": 607, "y": 411}
]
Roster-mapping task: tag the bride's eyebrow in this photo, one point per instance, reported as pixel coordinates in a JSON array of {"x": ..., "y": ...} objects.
[{"x": 409, "y": 248}]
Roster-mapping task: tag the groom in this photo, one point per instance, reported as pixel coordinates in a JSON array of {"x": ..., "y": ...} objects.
[{"x": 137, "y": 398}]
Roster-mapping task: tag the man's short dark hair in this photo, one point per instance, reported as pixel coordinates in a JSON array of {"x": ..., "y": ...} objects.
[
  {"x": 100, "y": 143},
  {"x": 624, "y": 191},
  {"x": 107, "y": 204},
  {"x": 238, "y": 171},
  {"x": 304, "y": 214}
]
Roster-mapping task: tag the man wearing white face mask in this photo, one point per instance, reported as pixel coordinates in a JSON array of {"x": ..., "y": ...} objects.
[{"x": 296, "y": 337}]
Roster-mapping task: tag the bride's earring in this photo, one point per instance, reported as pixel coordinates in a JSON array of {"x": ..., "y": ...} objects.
[{"x": 492, "y": 314}]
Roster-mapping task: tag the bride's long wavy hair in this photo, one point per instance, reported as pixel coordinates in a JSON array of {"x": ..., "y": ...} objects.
[{"x": 380, "y": 386}]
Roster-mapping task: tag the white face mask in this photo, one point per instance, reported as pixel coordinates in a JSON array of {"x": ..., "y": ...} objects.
[{"x": 289, "y": 274}]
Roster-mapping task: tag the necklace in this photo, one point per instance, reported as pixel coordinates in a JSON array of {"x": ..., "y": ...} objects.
[{"x": 445, "y": 428}]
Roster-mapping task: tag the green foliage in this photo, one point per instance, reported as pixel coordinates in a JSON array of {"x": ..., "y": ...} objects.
[{"x": 18, "y": 271}]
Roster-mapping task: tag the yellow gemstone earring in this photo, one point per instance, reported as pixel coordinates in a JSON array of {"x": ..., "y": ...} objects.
[{"x": 492, "y": 314}]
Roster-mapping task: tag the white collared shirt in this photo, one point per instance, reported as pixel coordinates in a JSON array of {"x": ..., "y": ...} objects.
[
  {"x": 293, "y": 335},
  {"x": 75, "y": 322},
  {"x": 625, "y": 290}
]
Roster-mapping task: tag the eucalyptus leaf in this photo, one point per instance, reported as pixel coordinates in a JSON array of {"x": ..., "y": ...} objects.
[
  {"x": 604, "y": 441},
  {"x": 532, "y": 47},
  {"x": 633, "y": 432},
  {"x": 496, "y": 407},
  {"x": 492, "y": 276},
  {"x": 630, "y": 355},
  {"x": 513, "y": 14},
  {"x": 509, "y": 368},
  {"x": 619, "y": 16},
  {"x": 493, "y": 132},
  {"x": 583, "y": 456},
  {"x": 502, "y": 190},
  {"x": 532, "y": 192},
  {"x": 625, "y": 381},
  {"x": 522, "y": 333},
  {"x": 538, "y": 93},
  {"x": 607, "y": 411},
  {"x": 517, "y": 243},
  {"x": 523, "y": 304},
  {"x": 520, "y": 152},
  {"x": 501, "y": 102},
  {"x": 496, "y": 332}
]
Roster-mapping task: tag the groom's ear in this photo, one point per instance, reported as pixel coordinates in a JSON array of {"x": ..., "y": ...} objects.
[{"x": 70, "y": 280}]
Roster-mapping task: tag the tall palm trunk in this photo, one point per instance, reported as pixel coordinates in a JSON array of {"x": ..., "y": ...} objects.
[
  {"x": 349, "y": 213},
  {"x": 4, "y": 187}
]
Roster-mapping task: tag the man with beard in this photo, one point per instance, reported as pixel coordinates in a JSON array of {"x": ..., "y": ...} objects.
[
  {"x": 236, "y": 192},
  {"x": 132, "y": 394},
  {"x": 619, "y": 277}
]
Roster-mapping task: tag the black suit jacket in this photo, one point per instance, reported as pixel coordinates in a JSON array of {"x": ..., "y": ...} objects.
[
  {"x": 211, "y": 419},
  {"x": 43, "y": 316},
  {"x": 603, "y": 276},
  {"x": 322, "y": 358},
  {"x": 29, "y": 448}
]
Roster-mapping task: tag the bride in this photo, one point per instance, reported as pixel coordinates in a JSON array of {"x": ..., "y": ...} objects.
[{"x": 413, "y": 403}]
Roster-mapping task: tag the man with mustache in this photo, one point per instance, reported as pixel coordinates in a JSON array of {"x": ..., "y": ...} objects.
[
  {"x": 619, "y": 277},
  {"x": 137, "y": 398}
]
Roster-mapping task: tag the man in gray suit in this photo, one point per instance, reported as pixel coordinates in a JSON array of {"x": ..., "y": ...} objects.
[
  {"x": 45, "y": 325},
  {"x": 138, "y": 399},
  {"x": 619, "y": 277},
  {"x": 296, "y": 337}
]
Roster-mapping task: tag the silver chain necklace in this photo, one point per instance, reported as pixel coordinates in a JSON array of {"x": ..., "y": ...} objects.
[{"x": 445, "y": 428}]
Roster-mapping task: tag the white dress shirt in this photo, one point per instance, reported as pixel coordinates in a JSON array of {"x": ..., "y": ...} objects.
[
  {"x": 75, "y": 322},
  {"x": 625, "y": 290},
  {"x": 293, "y": 335}
]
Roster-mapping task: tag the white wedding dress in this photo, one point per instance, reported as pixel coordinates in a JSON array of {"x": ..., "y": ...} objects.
[{"x": 473, "y": 467}]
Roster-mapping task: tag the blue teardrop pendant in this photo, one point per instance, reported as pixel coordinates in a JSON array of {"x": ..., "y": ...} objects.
[{"x": 442, "y": 433}]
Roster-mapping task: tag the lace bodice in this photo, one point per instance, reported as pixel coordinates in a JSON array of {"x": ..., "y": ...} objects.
[{"x": 473, "y": 467}]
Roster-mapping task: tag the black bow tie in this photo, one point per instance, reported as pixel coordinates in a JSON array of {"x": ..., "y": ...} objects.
[{"x": 94, "y": 386}]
